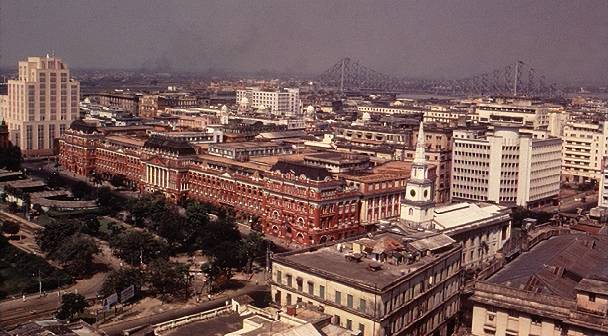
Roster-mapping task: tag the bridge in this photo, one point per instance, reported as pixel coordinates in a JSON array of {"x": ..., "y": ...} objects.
[{"x": 516, "y": 79}]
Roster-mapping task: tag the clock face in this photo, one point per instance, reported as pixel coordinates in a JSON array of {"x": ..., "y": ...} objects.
[
  {"x": 412, "y": 192},
  {"x": 426, "y": 193}
]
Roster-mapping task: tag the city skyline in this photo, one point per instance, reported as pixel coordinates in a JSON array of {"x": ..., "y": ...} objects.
[{"x": 564, "y": 41}]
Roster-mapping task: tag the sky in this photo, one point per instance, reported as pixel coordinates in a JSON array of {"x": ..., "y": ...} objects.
[{"x": 565, "y": 40}]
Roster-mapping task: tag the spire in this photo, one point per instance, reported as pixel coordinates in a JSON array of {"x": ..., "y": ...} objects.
[{"x": 420, "y": 157}]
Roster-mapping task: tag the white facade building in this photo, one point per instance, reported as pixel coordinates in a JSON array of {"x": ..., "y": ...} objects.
[
  {"x": 41, "y": 104},
  {"x": 519, "y": 112},
  {"x": 585, "y": 144},
  {"x": 505, "y": 167},
  {"x": 283, "y": 102}
]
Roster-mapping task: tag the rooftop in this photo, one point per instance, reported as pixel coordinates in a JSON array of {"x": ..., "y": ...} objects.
[
  {"x": 556, "y": 266},
  {"x": 452, "y": 216},
  {"x": 351, "y": 261}
]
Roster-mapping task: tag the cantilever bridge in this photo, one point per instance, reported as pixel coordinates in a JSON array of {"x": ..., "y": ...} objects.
[{"x": 517, "y": 79}]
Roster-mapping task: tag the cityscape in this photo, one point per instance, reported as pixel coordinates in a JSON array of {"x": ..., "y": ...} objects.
[{"x": 286, "y": 168}]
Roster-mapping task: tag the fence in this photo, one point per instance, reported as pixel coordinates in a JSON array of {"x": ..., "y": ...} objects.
[{"x": 160, "y": 328}]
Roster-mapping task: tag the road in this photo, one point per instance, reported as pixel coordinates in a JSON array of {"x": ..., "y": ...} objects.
[{"x": 116, "y": 328}]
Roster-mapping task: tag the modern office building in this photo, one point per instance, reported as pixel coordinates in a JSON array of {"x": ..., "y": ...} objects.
[
  {"x": 382, "y": 284},
  {"x": 505, "y": 167},
  {"x": 282, "y": 102},
  {"x": 41, "y": 104},
  {"x": 585, "y": 143}
]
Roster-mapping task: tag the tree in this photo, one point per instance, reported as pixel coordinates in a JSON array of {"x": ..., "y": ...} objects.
[
  {"x": 51, "y": 236},
  {"x": 11, "y": 158},
  {"x": 118, "y": 181},
  {"x": 227, "y": 256},
  {"x": 80, "y": 189},
  {"x": 134, "y": 246},
  {"x": 169, "y": 278},
  {"x": 71, "y": 305},
  {"x": 76, "y": 254},
  {"x": 253, "y": 246},
  {"x": 120, "y": 279},
  {"x": 90, "y": 225},
  {"x": 10, "y": 227}
]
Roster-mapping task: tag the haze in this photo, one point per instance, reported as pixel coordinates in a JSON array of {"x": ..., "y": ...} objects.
[{"x": 566, "y": 40}]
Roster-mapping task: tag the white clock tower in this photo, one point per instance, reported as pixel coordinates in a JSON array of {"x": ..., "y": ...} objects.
[{"x": 417, "y": 207}]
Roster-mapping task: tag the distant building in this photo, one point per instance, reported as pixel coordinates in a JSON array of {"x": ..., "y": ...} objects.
[
  {"x": 283, "y": 102},
  {"x": 560, "y": 287},
  {"x": 505, "y": 167},
  {"x": 127, "y": 102},
  {"x": 520, "y": 112},
  {"x": 41, "y": 104},
  {"x": 385, "y": 284},
  {"x": 152, "y": 105}
]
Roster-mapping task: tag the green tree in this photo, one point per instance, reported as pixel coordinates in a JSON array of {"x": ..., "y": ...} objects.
[
  {"x": 71, "y": 305},
  {"x": 80, "y": 189},
  {"x": 168, "y": 278},
  {"x": 118, "y": 181},
  {"x": 51, "y": 236},
  {"x": 133, "y": 246},
  {"x": 76, "y": 254},
  {"x": 120, "y": 279}
]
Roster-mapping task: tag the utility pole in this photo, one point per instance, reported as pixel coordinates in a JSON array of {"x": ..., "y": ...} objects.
[
  {"x": 39, "y": 283},
  {"x": 342, "y": 75},
  {"x": 515, "y": 78}
]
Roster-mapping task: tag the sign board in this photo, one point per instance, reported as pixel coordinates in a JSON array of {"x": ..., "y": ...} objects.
[
  {"x": 127, "y": 293},
  {"x": 109, "y": 301}
]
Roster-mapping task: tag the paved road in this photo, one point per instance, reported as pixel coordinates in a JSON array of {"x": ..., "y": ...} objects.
[{"x": 117, "y": 327}]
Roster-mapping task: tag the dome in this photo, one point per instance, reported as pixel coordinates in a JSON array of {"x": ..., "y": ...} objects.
[
  {"x": 244, "y": 101},
  {"x": 366, "y": 116},
  {"x": 224, "y": 109},
  {"x": 310, "y": 109}
]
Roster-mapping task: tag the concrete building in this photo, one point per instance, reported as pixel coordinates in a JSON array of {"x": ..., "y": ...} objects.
[
  {"x": 384, "y": 284},
  {"x": 522, "y": 112},
  {"x": 283, "y": 102},
  {"x": 585, "y": 143},
  {"x": 41, "y": 104},
  {"x": 560, "y": 287},
  {"x": 505, "y": 167}
]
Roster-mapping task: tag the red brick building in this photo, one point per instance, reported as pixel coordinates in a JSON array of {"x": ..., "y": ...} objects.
[{"x": 293, "y": 200}]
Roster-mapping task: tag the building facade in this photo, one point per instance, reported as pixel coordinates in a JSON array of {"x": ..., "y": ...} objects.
[
  {"x": 41, "y": 104},
  {"x": 585, "y": 143},
  {"x": 282, "y": 102},
  {"x": 505, "y": 167},
  {"x": 521, "y": 112},
  {"x": 386, "y": 284}
]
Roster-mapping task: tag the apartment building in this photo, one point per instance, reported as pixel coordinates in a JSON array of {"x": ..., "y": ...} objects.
[
  {"x": 41, "y": 104},
  {"x": 282, "y": 102},
  {"x": 505, "y": 167},
  {"x": 585, "y": 143},
  {"x": 383, "y": 284}
]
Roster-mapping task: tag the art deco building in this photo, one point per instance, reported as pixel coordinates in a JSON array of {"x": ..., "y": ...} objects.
[{"x": 41, "y": 104}]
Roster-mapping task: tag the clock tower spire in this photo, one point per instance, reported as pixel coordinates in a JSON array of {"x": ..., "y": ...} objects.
[{"x": 417, "y": 206}]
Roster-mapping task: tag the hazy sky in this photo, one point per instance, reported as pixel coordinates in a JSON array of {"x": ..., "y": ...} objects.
[{"x": 566, "y": 40}]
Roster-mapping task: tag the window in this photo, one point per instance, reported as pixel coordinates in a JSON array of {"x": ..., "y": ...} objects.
[
  {"x": 592, "y": 297},
  {"x": 349, "y": 301},
  {"x": 288, "y": 299},
  {"x": 338, "y": 297},
  {"x": 322, "y": 292},
  {"x": 362, "y": 328},
  {"x": 362, "y": 305},
  {"x": 279, "y": 277},
  {"x": 311, "y": 288},
  {"x": 289, "y": 283},
  {"x": 349, "y": 324}
]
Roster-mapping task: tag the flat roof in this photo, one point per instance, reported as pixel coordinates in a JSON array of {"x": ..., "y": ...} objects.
[
  {"x": 458, "y": 214},
  {"x": 248, "y": 144},
  {"x": 330, "y": 261}
]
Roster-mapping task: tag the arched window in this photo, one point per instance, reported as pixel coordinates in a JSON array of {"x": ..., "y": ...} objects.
[{"x": 411, "y": 212}]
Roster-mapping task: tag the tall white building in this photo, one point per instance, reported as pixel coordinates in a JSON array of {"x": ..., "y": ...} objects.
[
  {"x": 585, "y": 145},
  {"x": 505, "y": 167},
  {"x": 283, "y": 102},
  {"x": 41, "y": 104}
]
